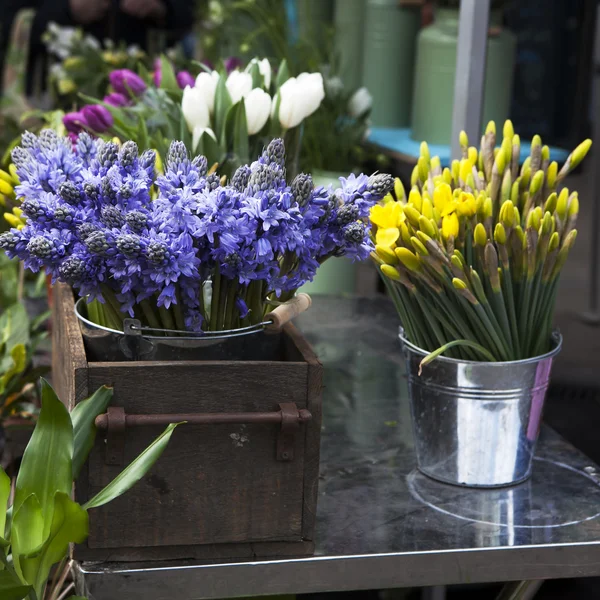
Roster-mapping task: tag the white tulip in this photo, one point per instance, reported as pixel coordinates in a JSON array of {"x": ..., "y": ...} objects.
[
  {"x": 239, "y": 85},
  {"x": 258, "y": 108},
  {"x": 194, "y": 108},
  {"x": 264, "y": 68},
  {"x": 360, "y": 102},
  {"x": 207, "y": 84},
  {"x": 299, "y": 97},
  {"x": 197, "y": 134}
]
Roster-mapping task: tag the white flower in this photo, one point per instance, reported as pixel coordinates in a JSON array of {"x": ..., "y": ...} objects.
[
  {"x": 258, "y": 108},
  {"x": 264, "y": 67},
  {"x": 299, "y": 97},
  {"x": 198, "y": 132},
  {"x": 239, "y": 85},
  {"x": 360, "y": 102},
  {"x": 334, "y": 86},
  {"x": 207, "y": 84},
  {"x": 194, "y": 108}
]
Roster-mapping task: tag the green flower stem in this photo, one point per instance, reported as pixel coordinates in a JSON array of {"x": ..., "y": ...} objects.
[
  {"x": 230, "y": 309},
  {"x": 112, "y": 301},
  {"x": 433, "y": 355},
  {"x": 166, "y": 318},
  {"x": 214, "y": 305},
  {"x": 178, "y": 314},
  {"x": 93, "y": 313},
  {"x": 149, "y": 316},
  {"x": 524, "y": 316},
  {"x": 498, "y": 306},
  {"x": 503, "y": 352},
  {"x": 510, "y": 301}
]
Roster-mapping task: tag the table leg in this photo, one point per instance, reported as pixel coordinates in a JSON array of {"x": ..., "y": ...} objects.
[{"x": 520, "y": 590}]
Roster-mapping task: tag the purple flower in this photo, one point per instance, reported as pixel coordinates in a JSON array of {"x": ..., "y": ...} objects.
[
  {"x": 98, "y": 117},
  {"x": 232, "y": 63},
  {"x": 127, "y": 82},
  {"x": 75, "y": 122},
  {"x": 157, "y": 77},
  {"x": 116, "y": 99},
  {"x": 185, "y": 78}
]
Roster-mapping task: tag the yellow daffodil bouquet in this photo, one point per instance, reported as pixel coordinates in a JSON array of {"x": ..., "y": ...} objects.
[{"x": 472, "y": 257}]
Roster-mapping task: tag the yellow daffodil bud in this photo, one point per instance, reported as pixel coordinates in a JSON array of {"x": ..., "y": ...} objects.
[
  {"x": 536, "y": 141},
  {"x": 488, "y": 208},
  {"x": 387, "y": 198},
  {"x": 463, "y": 139},
  {"x": 72, "y": 63},
  {"x": 415, "y": 199},
  {"x": 12, "y": 169},
  {"x": 500, "y": 162},
  {"x": 564, "y": 252},
  {"x": 399, "y": 189},
  {"x": 551, "y": 174},
  {"x": 3, "y": 200},
  {"x": 66, "y": 86},
  {"x": 533, "y": 220},
  {"x": 465, "y": 169},
  {"x": 414, "y": 176},
  {"x": 390, "y": 272},
  {"x": 423, "y": 167},
  {"x": 158, "y": 164},
  {"x": 405, "y": 234},
  {"x": 470, "y": 181},
  {"x": 424, "y": 151},
  {"x": 573, "y": 209},
  {"x": 554, "y": 241},
  {"x": 426, "y": 226},
  {"x": 562, "y": 203},
  {"x": 12, "y": 220},
  {"x": 472, "y": 155},
  {"x": 508, "y": 131},
  {"x": 459, "y": 284},
  {"x": 412, "y": 214},
  {"x": 386, "y": 254},
  {"x": 419, "y": 246},
  {"x": 507, "y": 149},
  {"x": 18, "y": 212},
  {"x": 545, "y": 153},
  {"x": 7, "y": 177},
  {"x": 442, "y": 196},
  {"x": 514, "y": 191},
  {"x": 579, "y": 153},
  {"x": 436, "y": 165},
  {"x": 447, "y": 176},
  {"x": 450, "y": 226},
  {"x": 500, "y": 234},
  {"x": 467, "y": 205},
  {"x": 6, "y": 188},
  {"x": 536, "y": 182},
  {"x": 409, "y": 259},
  {"x": 547, "y": 226},
  {"x": 507, "y": 214},
  {"x": 457, "y": 260},
  {"x": 427, "y": 208},
  {"x": 550, "y": 204},
  {"x": 491, "y": 128},
  {"x": 480, "y": 235},
  {"x": 455, "y": 169}
]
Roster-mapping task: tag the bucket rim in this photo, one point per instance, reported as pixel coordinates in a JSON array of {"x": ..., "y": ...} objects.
[
  {"x": 225, "y": 334},
  {"x": 556, "y": 337}
]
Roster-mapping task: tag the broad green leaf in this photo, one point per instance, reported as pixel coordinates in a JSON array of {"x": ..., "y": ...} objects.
[
  {"x": 26, "y": 534},
  {"x": 208, "y": 147},
  {"x": 46, "y": 467},
  {"x": 84, "y": 430},
  {"x": 18, "y": 326},
  {"x": 283, "y": 74},
  {"x": 18, "y": 358},
  {"x": 275, "y": 129},
  {"x": 4, "y": 495},
  {"x": 134, "y": 472},
  {"x": 11, "y": 588},
  {"x": 240, "y": 135},
  {"x": 142, "y": 137},
  {"x": 69, "y": 525},
  {"x": 257, "y": 78},
  {"x": 168, "y": 80},
  {"x": 223, "y": 104}
]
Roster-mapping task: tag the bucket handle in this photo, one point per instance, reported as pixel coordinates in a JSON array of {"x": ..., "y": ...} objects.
[{"x": 287, "y": 311}]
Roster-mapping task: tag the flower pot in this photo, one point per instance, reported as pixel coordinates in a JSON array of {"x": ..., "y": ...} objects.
[{"x": 476, "y": 424}]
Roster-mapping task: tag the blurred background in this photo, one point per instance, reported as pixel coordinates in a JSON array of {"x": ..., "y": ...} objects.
[{"x": 391, "y": 70}]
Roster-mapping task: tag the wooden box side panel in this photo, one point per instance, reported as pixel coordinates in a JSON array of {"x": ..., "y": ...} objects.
[{"x": 69, "y": 363}]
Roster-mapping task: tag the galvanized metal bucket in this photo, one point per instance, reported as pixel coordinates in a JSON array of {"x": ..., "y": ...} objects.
[
  {"x": 476, "y": 423},
  {"x": 137, "y": 342}
]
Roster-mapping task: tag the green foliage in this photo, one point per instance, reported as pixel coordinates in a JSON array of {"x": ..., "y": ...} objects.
[{"x": 45, "y": 518}]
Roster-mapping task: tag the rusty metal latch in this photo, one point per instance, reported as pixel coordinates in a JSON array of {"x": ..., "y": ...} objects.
[{"x": 116, "y": 421}]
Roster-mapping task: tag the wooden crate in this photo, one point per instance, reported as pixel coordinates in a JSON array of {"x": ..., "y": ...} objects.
[{"x": 219, "y": 490}]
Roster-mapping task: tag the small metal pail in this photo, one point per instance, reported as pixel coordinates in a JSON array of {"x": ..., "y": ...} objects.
[
  {"x": 109, "y": 345},
  {"x": 476, "y": 423}
]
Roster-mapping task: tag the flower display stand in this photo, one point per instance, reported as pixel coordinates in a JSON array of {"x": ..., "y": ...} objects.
[{"x": 238, "y": 480}]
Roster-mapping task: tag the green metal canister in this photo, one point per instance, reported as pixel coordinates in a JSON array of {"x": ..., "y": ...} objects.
[
  {"x": 435, "y": 71},
  {"x": 349, "y": 33},
  {"x": 389, "y": 56}
]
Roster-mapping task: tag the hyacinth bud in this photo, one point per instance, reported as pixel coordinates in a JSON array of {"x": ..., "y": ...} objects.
[
  {"x": 128, "y": 154},
  {"x": 275, "y": 152},
  {"x": 536, "y": 182},
  {"x": 386, "y": 254},
  {"x": 347, "y": 213},
  {"x": 32, "y": 208},
  {"x": 69, "y": 192},
  {"x": 390, "y": 272},
  {"x": 156, "y": 252},
  {"x": 108, "y": 153},
  {"x": 414, "y": 198},
  {"x": 412, "y": 214},
  {"x": 107, "y": 189},
  {"x": 381, "y": 184},
  {"x": 177, "y": 154},
  {"x": 480, "y": 235},
  {"x": 85, "y": 229},
  {"x": 408, "y": 259},
  {"x": 20, "y": 157},
  {"x": 63, "y": 214},
  {"x": 419, "y": 246},
  {"x": 201, "y": 165},
  {"x": 129, "y": 245},
  {"x": 550, "y": 204},
  {"x": 125, "y": 191},
  {"x": 148, "y": 159},
  {"x": 91, "y": 190},
  {"x": 112, "y": 216},
  {"x": 96, "y": 242},
  {"x": 354, "y": 233},
  {"x": 72, "y": 270},
  {"x": 241, "y": 177},
  {"x": 562, "y": 203},
  {"x": 39, "y": 246},
  {"x": 136, "y": 220},
  {"x": 500, "y": 234}
]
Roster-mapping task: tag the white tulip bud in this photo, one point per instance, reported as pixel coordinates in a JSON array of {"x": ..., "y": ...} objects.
[
  {"x": 207, "y": 84},
  {"x": 197, "y": 134},
  {"x": 239, "y": 85},
  {"x": 299, "y": 97},
  {"x": 360, "y": 102},
  {"x": 194, "y": 108},
  {"x": 264, "y": 68},
  {"x": 258, "y": 108}
]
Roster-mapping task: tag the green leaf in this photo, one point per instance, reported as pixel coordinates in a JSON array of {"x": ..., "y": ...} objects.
[
  {"x": 70, "y": 524},
  {"x": 40, "y": 320},
  {"x": 4, "y": 495},
  {"x": 84, "y": 430},
  {"x": 134, "y": 472},
  {"x": 168, "y": 80},
  {"x": 240, "y": 136},
  {"x": 11, "y": 588},
  {"x": 46, "y": 467},
  {"x": 223, "y": 104},
  {"x": 27, "y": 533},
  {"x": 282, "y": 75},
  {"x": 257, "y": 78},
  {"x": 14, "y": 326},
  {"x": 18, "y": 357},
  {"x": 142, "y": 136},
  {"x": 208, "y": 147}
]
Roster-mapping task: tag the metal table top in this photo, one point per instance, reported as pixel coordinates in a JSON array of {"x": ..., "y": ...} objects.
[{"x": 381, "y": 524}]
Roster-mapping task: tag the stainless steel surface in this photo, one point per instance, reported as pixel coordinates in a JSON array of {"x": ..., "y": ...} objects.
[
  {"x": 380, "y": 522},
  {"x": 520, "y": 590},
  {"x": 107, "y": 345},
  {"x": 470, "y": 71},
  {"x": 477, "y": 423}
]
